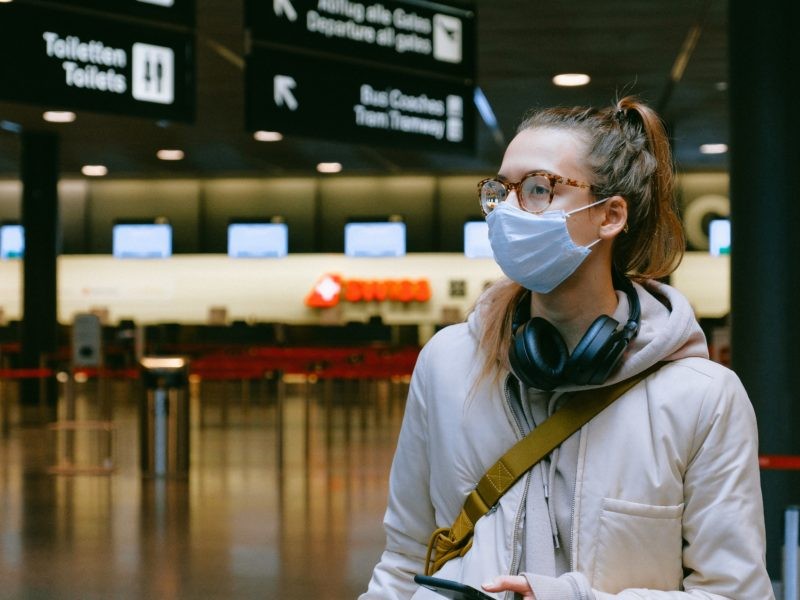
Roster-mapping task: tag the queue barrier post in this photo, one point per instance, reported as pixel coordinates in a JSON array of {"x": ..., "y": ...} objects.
[
  {"x": 164, "y": 416},
  {"x": 790, "y": 540},
  {"x": 5, "y": 409}
]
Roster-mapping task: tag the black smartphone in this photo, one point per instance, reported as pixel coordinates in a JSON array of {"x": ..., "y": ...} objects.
[{"x": 451, "y": 589}]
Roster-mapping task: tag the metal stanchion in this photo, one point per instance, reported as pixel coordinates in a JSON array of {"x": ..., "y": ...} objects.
[
  {"x": 790, "y": 539},
  {"x": 164, "y": 417}
]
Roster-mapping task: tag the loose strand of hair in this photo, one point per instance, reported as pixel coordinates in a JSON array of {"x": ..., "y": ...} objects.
[{"x": 501, "y": 299}]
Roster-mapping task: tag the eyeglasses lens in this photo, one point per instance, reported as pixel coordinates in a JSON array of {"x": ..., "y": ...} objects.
[
  {"x": 535, "y": 193},
  {"x": 492, "y": 193}
]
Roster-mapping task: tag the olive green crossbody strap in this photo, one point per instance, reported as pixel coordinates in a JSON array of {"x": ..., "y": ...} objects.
[{"x": 449, "y": 542}]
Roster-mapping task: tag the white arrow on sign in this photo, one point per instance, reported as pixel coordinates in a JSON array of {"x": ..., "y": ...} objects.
[
  {"x": 282, "y": 91},
  {"x": 284, "y": 7}
]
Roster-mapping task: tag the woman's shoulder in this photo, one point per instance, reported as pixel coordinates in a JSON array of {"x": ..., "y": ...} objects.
[
  {"x": 699, "y": 371},
  {"x": 455, "y": 338},
  {"x": 700, "y": 384},
  {"x": 450, "y": 357}
]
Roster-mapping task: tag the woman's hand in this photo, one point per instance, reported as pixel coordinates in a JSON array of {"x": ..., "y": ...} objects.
[{"x": 511, "y": 583}]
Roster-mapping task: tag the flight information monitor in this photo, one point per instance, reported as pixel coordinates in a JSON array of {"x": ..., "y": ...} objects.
[
  {"x": 719, "y": 237},
  {"x": 142, "y": 240},
  {"x": 258, "y": 240},
  {"x": 476, "y": 240},
  {"x": 379, "y": 238},
  {"x": 12, "y": 241}
]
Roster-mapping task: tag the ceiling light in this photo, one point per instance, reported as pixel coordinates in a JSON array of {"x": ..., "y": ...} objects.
[
  {"x": 94, "y": 170},
  {"x": 170, "y": 154},
  {"x": 721, "y": 86},
  {"x": 268, "y": 136},
  {"x": 5, "y": 1},
  {"x": 58, "y": 116},
  {"x": 571, "y": 79},
  {"x": 329, "y": 167},
  {"x": 714, "y": 148}
]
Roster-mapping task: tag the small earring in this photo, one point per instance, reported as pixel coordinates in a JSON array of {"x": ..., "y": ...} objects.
[{"x": 626, "y": 229}]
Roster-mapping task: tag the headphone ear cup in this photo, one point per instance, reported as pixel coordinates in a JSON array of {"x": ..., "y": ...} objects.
[
  {"x": 594, "y": 351},
  {"x": 538, "y": 354}
]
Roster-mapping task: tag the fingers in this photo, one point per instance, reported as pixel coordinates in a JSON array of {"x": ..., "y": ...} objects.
[{"x": 513, "y": 583}]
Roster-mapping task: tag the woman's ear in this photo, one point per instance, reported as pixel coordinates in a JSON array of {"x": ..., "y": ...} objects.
[{"x": 616, "y": 218}]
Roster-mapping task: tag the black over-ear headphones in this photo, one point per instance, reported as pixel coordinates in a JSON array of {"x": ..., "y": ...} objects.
[{"x": 539, "y": 356}]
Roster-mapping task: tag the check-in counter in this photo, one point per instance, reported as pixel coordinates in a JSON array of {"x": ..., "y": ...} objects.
[{"x": 425, "y": 289}]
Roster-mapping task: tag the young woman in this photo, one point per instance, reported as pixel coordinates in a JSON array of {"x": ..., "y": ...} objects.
[{"x": 658, "y": 496}]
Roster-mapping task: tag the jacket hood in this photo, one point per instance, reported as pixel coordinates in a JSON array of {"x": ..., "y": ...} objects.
[{"x": 668, "y": 330}]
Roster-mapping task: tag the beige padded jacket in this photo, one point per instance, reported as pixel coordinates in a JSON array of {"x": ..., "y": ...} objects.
[{"x": 667, "y": 501}]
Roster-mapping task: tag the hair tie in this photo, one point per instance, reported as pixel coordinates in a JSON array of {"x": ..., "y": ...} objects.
[{"x": 620, "y": 115}]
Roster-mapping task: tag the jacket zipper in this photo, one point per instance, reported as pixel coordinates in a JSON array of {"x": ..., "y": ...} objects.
[
  {"x": 570, "y": 562},
  {"x": 572, "y": 535},
  {"x": 520, "y": 511},
  {"x": 515, "y": 557},
  {"x": 572, "y": 550}
]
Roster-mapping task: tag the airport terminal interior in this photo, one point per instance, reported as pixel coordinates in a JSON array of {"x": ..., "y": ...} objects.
[
  {"x": 227, "y": 228},
  {"x": 283, "y": 496}
]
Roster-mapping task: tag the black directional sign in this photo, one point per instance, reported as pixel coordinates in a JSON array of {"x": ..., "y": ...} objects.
[
  {"x": 418, "y": 35},
  {"x": 85, "y": 62},
  {"x": 318, "y": 98},
  {"x": 382, "y": 72},
  {"x": 180, "y": 12}
]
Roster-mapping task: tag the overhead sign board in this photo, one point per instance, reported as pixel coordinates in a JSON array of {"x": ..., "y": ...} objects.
[
  {"x": 309, "y": 96},
  {"x": 85, "y": 62},
  {"x": 416, "y": 35},
  {"x": 180, "y": 12}
]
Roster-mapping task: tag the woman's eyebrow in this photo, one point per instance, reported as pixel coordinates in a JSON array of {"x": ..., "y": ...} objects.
[{"x": 531, "y": 172}]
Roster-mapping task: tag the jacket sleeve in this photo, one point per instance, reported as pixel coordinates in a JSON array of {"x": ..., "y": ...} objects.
[
  {"x": 409, "y": 520},
  {"x": 723, "y": 519}
]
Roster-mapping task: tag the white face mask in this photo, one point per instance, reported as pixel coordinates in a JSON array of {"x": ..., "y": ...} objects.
[{"x": 536, "y": 251}]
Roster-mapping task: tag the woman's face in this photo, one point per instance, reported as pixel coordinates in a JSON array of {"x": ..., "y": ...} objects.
[{"x": 561, "y": 153}]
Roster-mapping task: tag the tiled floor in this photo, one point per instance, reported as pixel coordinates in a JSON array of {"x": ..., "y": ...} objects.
[{"x": 285, "y": 508}]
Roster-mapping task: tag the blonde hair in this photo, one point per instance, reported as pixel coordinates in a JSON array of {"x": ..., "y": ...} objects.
[{"x": 628, "y": 154}]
